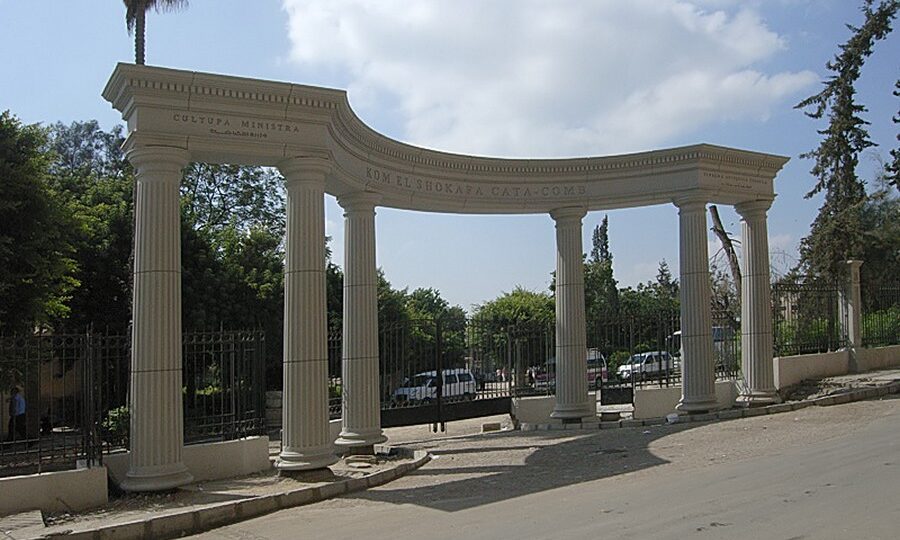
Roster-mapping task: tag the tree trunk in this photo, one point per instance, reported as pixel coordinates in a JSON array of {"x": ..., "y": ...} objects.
[
  {"x": 728, "y": 246},
  {"x": 139, "y": 27}
]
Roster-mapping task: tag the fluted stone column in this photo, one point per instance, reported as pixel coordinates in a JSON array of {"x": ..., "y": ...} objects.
[
  {"x": 698, "y": 386},
  {"x": 306, "y": 443},
  {"x": 756, "y": 307},
  {"x": 572, "y": 403},
  {"x": 361, "y": 404},
  {"x": 157, "y": 418}
]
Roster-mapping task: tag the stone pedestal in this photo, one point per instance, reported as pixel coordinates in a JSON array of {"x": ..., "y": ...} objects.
[
  {"x": 361, "y": 404},
  {"x": 756, "y": 308},
  {"x": 572, "y": 403},
  {"x": 306, "y": 443},
  {"x": 698, "y": 391},
  {"x": 157, "y": 417}
]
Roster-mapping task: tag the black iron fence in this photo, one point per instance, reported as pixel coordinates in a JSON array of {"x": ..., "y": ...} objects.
[
  {"x": 646, "y": 351},
  {"x": 67, "y": 395},
  {"x": 881, "y": 315},
  {"x": 482, "y": 359},
  {"x": 224, "y": 385},
  {"x": 807, "y": 317},
  {"x": 45, "y": 382}
]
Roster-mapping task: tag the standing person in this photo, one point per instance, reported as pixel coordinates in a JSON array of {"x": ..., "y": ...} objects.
[{"x": 16, "y": 428}]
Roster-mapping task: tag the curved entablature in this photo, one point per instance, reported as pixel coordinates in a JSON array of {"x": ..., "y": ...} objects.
[{"x": 236, "y": 120}]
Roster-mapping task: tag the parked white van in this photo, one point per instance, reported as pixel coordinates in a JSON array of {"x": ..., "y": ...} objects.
[{"x": 457, "y": 383}]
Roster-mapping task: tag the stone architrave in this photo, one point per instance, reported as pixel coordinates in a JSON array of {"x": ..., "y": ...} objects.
[
  {"x": 157, "y": 419},
  {"x": 698, "y": 377},
  {"x": 756, "y": 308},
  {"x": 306, "y": 444},
  {"x": 572, "y": 401},
  {"x": 360, "y": 403}
]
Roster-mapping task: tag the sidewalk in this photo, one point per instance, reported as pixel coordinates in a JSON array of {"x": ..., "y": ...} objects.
[{"x": 212, "y": 504}]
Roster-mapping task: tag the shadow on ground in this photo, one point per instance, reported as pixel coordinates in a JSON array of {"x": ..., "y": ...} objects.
[{"x": 463, "y": 475}]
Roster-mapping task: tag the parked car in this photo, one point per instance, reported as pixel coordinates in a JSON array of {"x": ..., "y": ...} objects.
[
  {"x": 648, "y": 365},
  {"x": 422, "y": 387},
  {"x": 597, "y": 371}
]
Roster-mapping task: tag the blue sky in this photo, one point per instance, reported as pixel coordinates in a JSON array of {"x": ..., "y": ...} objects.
[{"x": 504, "y": 78}]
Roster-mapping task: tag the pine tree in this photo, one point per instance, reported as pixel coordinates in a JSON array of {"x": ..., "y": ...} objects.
[
  {"x": 892, "y": 171},
  {"x": 600, "y": 242},
  {"x": 836, "y": 234}
]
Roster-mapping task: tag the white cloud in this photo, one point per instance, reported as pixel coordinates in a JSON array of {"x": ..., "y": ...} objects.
[{"x": 537, "y": 78}]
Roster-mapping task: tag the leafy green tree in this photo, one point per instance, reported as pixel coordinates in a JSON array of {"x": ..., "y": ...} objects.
[
  {"x": 35, "y": 254},
  {"x": 837, "y": 233},
  {"x": 94, "y": 182},
  {"x": 216, "y": 197},
  {"x": 518, "y": 307},
  {"x": 136, "y": 20}
]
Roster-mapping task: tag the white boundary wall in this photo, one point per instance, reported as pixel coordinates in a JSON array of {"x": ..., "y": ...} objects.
[
  {"x": 59, "y": 491},
  {"x": 791, "y": 370},
  {"x": 211, "y": 461},
  {"x": 658, "y": 402},
  {"x": 879, "y": 358}
]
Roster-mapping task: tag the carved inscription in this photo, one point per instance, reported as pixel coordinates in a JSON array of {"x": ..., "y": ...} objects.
[
  {"x": 221, "y": 125},
  {"x": 742, "y": 183},
  {"x": 394, "y": 179}
]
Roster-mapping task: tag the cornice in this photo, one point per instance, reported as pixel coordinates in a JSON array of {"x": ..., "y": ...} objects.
[{"x": 321, "y": 122}]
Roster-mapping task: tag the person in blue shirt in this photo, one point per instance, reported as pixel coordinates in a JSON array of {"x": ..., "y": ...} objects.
[{"x": 16, "y": 427}]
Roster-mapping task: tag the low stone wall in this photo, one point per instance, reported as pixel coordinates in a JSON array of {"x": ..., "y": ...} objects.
[
  {"x": 878, "y": 358},
  {"x": 790, "y": 370},
  {"x": 211, "y": 461},
  {"x": 533, "y": 409},
  {"x": 62, "y": 491},
  {"x": 537, "y": 409},
  {"x": 658, "y": 402}
]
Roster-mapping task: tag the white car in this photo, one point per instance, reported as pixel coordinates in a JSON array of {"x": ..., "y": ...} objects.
[
  {"x": 648, "y": 365},
  {"x": 596, "y": 371},
  {"x": 457, "y": 383}
]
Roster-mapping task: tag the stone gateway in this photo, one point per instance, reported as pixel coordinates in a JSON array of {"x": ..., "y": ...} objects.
[{"x": 320, "y": 146}]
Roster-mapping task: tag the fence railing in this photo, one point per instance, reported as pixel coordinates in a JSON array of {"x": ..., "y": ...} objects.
[
  {"x": 807, "y": 317},
  {"x": 45, "y": 381},
  {"x": 520, "y": 359},
  {"x": 71, "y": 395},
  {"x": 881, "y": 315}
]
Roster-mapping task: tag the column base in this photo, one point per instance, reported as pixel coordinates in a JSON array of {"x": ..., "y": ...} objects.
[
  {"x": 306, "y": 459},
  {"x": 573, "y": 412},
  {"x": 348, "y": 439},
  {"x": 758, "y": 399},
  {"x": 157, "y": 478},
  {"x": 697, "y": 405}
]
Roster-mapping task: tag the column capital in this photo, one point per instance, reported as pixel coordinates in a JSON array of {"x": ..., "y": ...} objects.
[
  {"x": 568, "y": 215},
  {"x": 162, "y": 159},
  {"x": 751, "y": 209},
  {"x": 309, "y": 170},
  {"x": 359, "y": 201},
  {"x": 691, "y": 203},
  {"x": 853, "y": 263}
]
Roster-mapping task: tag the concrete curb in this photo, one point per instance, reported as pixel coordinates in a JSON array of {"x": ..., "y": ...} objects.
[
  {"x": 210, "y": 517},
  {"x": 854, "y": 394}
]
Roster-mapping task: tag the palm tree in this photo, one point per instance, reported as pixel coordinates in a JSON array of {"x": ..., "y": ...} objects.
[{"x": 135, "y": 19}]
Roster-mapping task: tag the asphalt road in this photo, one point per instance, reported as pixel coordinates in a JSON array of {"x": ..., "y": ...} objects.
[{"x": 819, "y": 473}]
